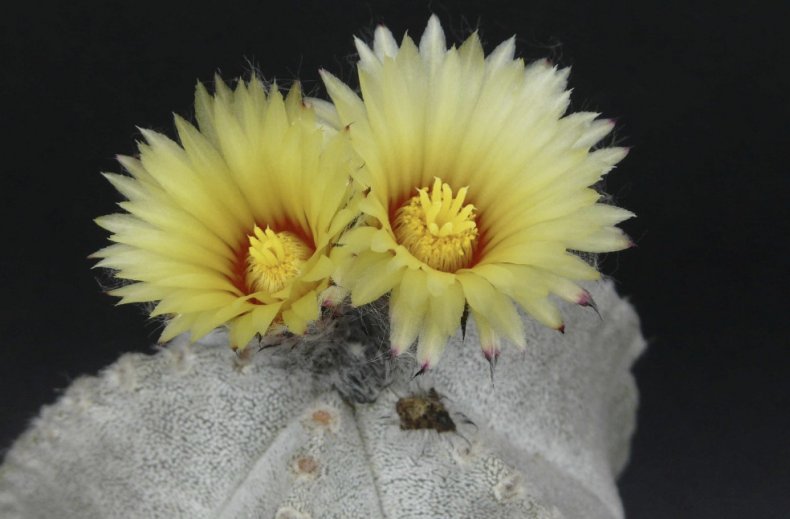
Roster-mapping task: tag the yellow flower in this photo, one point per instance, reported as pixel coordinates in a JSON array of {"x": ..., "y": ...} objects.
[
  {"x": 236, "y": 225},
  {"x": 479, "y": 188}
]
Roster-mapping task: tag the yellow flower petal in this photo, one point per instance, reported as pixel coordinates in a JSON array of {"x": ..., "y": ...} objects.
[
  {"x": 244, "y": 328},
  {"x": 495, "y": 306},
  {"x": 407, "y": 310},
  {"x": 178, "y": 325},
  {"x": 322, "y": 269},
  {"x": 495, "y": 131},
  {"x": 188, "y": 301},
  {"x": 209, "y": 320},
  {"x": 371, "y": 280},
  {"x": 235, "y": 225},
  {"x": 302, "y": 312},
  {"x": 490, "y": 341}
]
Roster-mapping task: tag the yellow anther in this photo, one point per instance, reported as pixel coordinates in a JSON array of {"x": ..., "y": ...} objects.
[
  {"x": 274, "y": 259},
  {"x": 437, "y": 228}
]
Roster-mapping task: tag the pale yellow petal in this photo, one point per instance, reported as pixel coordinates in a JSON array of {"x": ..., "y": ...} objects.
[
  {"x": 256, "y": 161},
  {"x": 607, "y": 239},
  {"x": 325, "y": 112},
  {"x": 493, "y": 305},
  {"x": 431, "y": 344},
  {"x": 445, "y": 310},
  {"x": 349, "y": 106},
  {"x": 322, "y": 269},
  {"x": 178, "y": 325},
  {"x": 373, "y": 279},
  {"x": 541, "y": 309},
  {"x": 495, "y": 130},
  {"x": 384, "y": 45},
  {"x": 408, "y": 305},
  {"x": 211, "y": 320},
  {"x": 301, "y": 313},
  {"x": 490, "y": 341},
  {"x": 139, "y": 293},
  {"x": 187, "y": 301},
  {"x": 438, "y": 282},
  {"x": 432, "y": 44}
]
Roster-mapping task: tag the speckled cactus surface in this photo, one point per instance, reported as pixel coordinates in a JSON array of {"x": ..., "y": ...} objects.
[{"x": 195, "y": 431}]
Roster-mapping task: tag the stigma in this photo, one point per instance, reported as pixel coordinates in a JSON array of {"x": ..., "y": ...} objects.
[
  {"x": 275, "y": 259},
  {"x": 437, "y": 228}
]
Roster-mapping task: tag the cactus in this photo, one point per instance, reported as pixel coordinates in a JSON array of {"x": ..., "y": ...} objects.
[{"x": 197, "y": 431}]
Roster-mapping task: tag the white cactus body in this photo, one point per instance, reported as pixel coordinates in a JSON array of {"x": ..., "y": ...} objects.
[{"x": 193, "y": 432}]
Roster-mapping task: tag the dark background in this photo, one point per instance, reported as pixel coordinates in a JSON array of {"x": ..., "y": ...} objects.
[{"x": 698, "y": 90}]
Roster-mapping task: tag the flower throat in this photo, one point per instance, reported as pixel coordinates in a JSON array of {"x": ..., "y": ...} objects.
[
  {"x": 274, "y": 259},
  {"x": 437, "y": 228}
]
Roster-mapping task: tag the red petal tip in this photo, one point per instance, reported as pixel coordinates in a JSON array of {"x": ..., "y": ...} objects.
[
  {"x": 584, "y": 299},
  {"x": 423, "y": 368},
  {"x": 490, "y": 354}
]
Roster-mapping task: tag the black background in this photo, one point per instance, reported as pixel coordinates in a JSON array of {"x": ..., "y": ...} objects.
[{"x": 698, "y": 91}]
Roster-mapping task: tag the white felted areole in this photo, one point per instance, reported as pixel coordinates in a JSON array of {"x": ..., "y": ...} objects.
[{"x": 193, "y": 432}]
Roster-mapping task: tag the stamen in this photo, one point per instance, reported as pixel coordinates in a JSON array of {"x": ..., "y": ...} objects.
[
  {"x": 437, "y": 228},
  {"x": 274, "y": 259}
]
